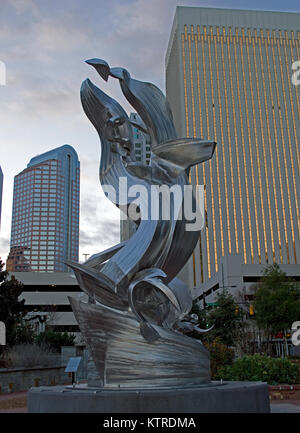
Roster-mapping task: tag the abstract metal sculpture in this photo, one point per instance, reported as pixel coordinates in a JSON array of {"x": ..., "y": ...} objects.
[{"x": 138, "y": 307}]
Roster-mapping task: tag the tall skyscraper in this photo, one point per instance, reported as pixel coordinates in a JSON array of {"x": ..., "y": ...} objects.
[
  {"x": 229, "y": 78},
  {"x": 1, "y": 191},
  {"x": 142, "y": 150},
  {"x": 141, "y": 141},
  {"x": 45, "y": 215}
]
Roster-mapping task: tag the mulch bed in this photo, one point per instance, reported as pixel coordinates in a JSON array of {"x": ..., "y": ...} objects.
[
  {"x": 14, "y": 403},
  {"x": 284, "y": 392}
]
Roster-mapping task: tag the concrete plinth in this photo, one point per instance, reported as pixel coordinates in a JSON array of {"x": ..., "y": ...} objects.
[{"x": 230, "y": 397}]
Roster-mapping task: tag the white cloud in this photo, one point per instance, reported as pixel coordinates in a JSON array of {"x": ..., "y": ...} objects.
[
  {"x": 22, "y": 6},
  {"x": 58, "y": 36}
]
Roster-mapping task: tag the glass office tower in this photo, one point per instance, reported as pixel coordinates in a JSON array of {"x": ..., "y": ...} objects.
[{"x": 45, "y": 215}]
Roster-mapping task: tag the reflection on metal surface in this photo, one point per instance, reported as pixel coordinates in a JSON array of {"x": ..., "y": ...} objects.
[
  {"x": 138, "y": 305},
  {"x": 123, "y": 357}
]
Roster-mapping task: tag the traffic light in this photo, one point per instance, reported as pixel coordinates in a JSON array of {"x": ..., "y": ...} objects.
[{"x": 251, "y": 310}]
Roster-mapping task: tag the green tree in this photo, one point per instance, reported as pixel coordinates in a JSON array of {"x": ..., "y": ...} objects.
[
  {"x": 202, "y": 321},
  {"x": 202, "y": 315},
  {"x": 24, "y": 333},
  {"x": 11, "y": 309},
  {"x": 3, "y": 274},
  {"x": 277, "y": 301},
  {"x": 226, "y": 317}
]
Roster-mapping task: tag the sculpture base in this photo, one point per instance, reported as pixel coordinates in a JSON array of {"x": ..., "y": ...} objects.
[
  {"x": 229, "y": 397},
  {"x": 123, "y": 357}
]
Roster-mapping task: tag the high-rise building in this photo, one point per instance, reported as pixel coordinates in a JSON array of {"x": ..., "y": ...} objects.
[
  {"x": 142, "y": 151},
  {"x": 1, "y": 191},
  {"x": 45, "y": 215},
  {"x": 229, "y": 78},
  {"x": 141, "y": 141}
]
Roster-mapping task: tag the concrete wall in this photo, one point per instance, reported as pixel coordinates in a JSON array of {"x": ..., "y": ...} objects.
[{"x": 18, "y": 379}]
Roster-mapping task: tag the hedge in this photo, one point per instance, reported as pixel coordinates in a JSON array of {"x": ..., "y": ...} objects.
[{"x": 260, "y": 368}]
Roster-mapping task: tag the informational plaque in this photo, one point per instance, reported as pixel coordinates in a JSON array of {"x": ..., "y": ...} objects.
[{"x": 73, "y": 365}]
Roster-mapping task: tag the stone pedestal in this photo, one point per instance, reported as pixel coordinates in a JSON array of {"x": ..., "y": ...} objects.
[{"x": 230, "y": 397}]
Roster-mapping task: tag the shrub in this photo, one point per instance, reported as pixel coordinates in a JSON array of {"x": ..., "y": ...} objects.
[
  {"x": 220, "y": 356},
  {"x": 296, "y": 361},
  {"x": 260, "y": 368},
  {"x": 55, "y": 340},
  {"x": 30, "y": 355},
  {"x": 3, "y": 362},
  {"x": 23, "y": 333}
]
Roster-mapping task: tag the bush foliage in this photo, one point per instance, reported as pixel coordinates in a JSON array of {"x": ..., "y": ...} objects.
[
  {"x": 260, "y": 368},
  {"x": 55, "y": 340},
  {"x": 220, "y": 356},
  {"x": 28, "y": 356}
]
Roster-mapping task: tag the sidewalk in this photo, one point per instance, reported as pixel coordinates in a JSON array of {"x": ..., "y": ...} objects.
[
  {"x": 285, "y": 406},
  {"x": 13, "y": 403}
]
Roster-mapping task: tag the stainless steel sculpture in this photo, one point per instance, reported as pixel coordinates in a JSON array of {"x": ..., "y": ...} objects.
[{"x": 138, "y": 307}]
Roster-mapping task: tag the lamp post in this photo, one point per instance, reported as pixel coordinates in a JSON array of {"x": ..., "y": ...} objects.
[{"x": 86, "y": 255}]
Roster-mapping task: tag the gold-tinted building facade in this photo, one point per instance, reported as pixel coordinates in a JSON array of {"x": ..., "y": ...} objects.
[{"x": 229, "y": 78}]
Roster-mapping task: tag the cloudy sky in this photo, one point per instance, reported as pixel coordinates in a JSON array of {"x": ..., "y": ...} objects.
[{"x": 44, "y": 44}]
